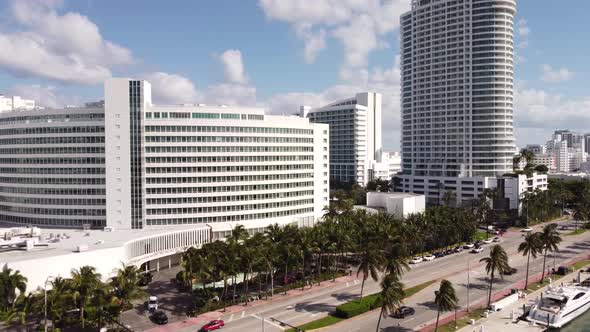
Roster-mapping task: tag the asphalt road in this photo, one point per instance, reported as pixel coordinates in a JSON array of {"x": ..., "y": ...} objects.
[{"x": 308, "y": 307}]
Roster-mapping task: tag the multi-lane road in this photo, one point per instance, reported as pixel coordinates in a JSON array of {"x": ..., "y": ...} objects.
[{"x": 313, "y": 305}]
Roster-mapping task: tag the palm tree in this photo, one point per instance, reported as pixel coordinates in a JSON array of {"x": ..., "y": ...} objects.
[
  {"x": 496, "y": 262},
  {"x": 84, "y": 282},
  {"x": 125, "y": 285},
  {"x": 392, "y": 295},
  {"x": 531, "y": 246},
  {"x": 371, "y": 261},
  {"x": 445, "y": 299},
  {"x": 10, "y": 282},
  {"x": 549, "y": 241},
  {"x": 23, "y": 306}
]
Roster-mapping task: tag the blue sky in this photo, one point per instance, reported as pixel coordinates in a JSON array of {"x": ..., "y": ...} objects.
[{"x": 273, "y": 53}]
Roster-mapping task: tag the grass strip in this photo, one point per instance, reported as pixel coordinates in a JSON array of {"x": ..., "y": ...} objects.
[
  {"x": 330, "y": 320},
  {"x": 462, "y": 322}
]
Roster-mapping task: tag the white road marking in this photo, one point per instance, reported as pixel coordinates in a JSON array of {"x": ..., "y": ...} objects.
[
  {"x": 289, "y": 307},
  {"x": 347, "y": 284},
  {"x": 269, "y": 321},
  {"x": 231, "y": 317},
  {"x": 243, "y": 313}
]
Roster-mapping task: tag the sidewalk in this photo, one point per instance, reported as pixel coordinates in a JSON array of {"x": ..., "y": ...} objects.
[{"x": 188, "y": 324}]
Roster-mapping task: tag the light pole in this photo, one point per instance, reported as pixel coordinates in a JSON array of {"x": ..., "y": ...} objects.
[{"x": 45, "y": 300}]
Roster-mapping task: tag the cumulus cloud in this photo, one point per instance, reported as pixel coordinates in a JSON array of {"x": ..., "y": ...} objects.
[
  {"x": 172, "y": 88},
  {"x": 555, "y": 75},
  {"x": 233, "y": 67},
  {"x": 359, "y": 25},
  {"x": 44, "y": 95},
  {"x": 62, "y": 47},
  {"x": 522, "y": 33}
]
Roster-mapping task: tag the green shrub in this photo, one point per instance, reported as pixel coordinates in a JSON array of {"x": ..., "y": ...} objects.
[{"x": 351, "y": 309}]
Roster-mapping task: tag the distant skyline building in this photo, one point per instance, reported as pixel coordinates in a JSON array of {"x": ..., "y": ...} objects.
[
  {"x": 355, "y": 136},
  {"x": 457, "y": 96},
  {"x": 568, "y": 150},
  {"x": 15, "y": 103}
]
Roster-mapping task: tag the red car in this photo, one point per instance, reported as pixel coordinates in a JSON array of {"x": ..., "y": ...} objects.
[{"x": 212, "y": 325}]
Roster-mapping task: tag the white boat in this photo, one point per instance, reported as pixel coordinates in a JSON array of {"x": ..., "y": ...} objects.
[{"x": 560, "y": 305}]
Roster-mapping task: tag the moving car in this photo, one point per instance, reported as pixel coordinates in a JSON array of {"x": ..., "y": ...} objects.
[
  {"x": 416, "y": 260},
  {"x": 526, "y": 230},
  {"x": 497, "y": 239},
  {"x": 153, "y": 303},
  {"x": 510, "y": 271},
  {"x": 477, "y": 250},
  {"x": 159, "y": 317},
  {"x": 404, "y": 312},
  {"x": 429, "y": 257},
  {"x": 213, "y": 325},
  {"x": 468, "y": 246}
]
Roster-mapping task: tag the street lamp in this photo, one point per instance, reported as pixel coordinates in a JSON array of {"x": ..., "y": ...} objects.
[{"x": 45, "y": 300}]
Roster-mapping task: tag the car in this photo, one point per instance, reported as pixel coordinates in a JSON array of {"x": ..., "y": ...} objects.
[
  {"x": 153, "y": 303},
  {"x": 416, "y": 260},
  {"x": 493, "y": 231},
  {"x": 429, "y": 258},
  {"x": 159, "y": 317},
  {"x": 404, "y": 312},
  {"x": 526, "y": 230},
  {"x": 479, "y": 243},
  {"x": 468, "y": 246},
  {"x": 497, "y": 239},
  {"x": 213, "y": 325},
  {"x": 449, "y": 252},
  {"x": 477, "y": 250},
  {"x": 488, "y": 241},
  {"x": 439, "y": 254},
  {"x": 510, "y": 271},
  {"x": 458, "y": 249},
  {"x": 563, "y": 270}
]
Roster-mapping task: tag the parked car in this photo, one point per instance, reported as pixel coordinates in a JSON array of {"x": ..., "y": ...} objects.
[
  {"x": 477, "y": 250},
  {"x": 429, "y": 258},
  {"x": 212, "y": 325},
  {"x": 404, "y": 312},
  {"x": 153, "y": 303},
  {"x": 510, "y": 271},
  {"x": 159, "y": 317},
  {"x": 479, "y": 243},
  {"x": 488, "y": 241},
  {"x": 468, "y": 246},
  {"x": 416, "y": 260},
  {"x": 493, "y": 231},
  {"x": 439, "y": 254},
  {"x": 497, "y": 239},
  {"x": 563, "y": 270},
  {"x": 458, "y": 249},
  {"x": 449, "y": 252},
  {"x": 526, "y": 230}
]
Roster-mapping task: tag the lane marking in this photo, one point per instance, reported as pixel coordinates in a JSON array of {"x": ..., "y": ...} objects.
[
  {"x": 269, "y": 321},
  {"x": 231, "y": 317},
  {"x": 243, "y": 313}
]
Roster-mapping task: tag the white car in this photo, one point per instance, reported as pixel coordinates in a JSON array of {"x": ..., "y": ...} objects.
[
  {"x": 497, "y": 239},
  {"x": 416, "y": 260},
  {"x": 488, "y": 241},
  {"x": 477, "y": 250},
  {"x": 153, "y": 303},
  {"x": 468, "y": 246},
  {"x": 526, "y": 230},
  {"x": 429, "y": 258}
]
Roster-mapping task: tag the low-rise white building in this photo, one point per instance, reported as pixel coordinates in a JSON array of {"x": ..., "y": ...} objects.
[
  {"x": 398, "y": 204},
  {"x": 13, "y": 103}
]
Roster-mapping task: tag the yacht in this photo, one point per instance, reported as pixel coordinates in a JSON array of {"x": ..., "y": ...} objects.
[{"x": 558, "y": 306}]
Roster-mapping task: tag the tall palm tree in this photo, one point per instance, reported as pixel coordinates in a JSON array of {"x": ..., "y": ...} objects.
[
  {"x": 125, "y": 285},
  {"x": 549, "y": 241},
  {"x": 496, "y": 262},
  {"x": 370, "y": 261},
  {"x": 23, "y": 306},
  {"x": 10, "y": 282},
  {"x": 84, "y": 282},
  {"x": 445, "y": 299},
  {"x": 392, "y": 295},
  {"x": 531, "y": 246}
]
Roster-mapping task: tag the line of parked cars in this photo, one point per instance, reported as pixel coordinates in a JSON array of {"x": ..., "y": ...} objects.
[{"x": 475, "y": 247}]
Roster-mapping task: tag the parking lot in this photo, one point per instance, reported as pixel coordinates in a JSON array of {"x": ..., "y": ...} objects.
[{"x": 170, "y": 300}]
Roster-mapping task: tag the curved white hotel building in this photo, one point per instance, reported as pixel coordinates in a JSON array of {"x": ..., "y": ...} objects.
[
  {"x": 150, "y": 180},
  {"x": 457, "y": 95}
]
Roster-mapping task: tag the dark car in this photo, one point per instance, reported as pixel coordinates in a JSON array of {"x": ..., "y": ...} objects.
[
  {"x": 510, "y": 271},
  {"x": 212, "y": 325},
  {"x": 159, "y": 317},
  {"x": 563, "y": 270},
  {"x": 479, "y": 243},
  {"x": 439, "y": 254},
  {"x": 404, "y": 312},
  {"x": 449, "y": 252}
]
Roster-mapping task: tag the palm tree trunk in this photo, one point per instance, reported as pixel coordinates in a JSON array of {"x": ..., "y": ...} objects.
[
  {"x": 235, "y": 279},
  {"x": 491, "y": 285},
  {"x": 320, "y": 269},
  {"x": 526, "y": 281},
  {"x": 272, "y": 282},
  {"x": 82, "y": 315},
  {"x": 286, "y": 270},
  {"x": 379, "y": 321},
  {"x": 303, "y": 284},
  {"x": 335, "y": 268},
  {"x": 544, "y": 259},
  {"x": 363, "y": 284},
  {"x": 437, "y": 317}
]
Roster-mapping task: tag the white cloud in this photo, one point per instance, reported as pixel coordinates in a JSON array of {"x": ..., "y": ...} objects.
[
  {"x": 314, "y": 41},
  {"x": 66, "y": 48},
  {"x": 359, "y": 25},
  {"x": 172, "y": 88},
  {"x": 46, "y": 96},
  {"x": 522, "y": 33},
  {"x": 555, "y": 75},
  {"x": 233, "y": 67}
]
